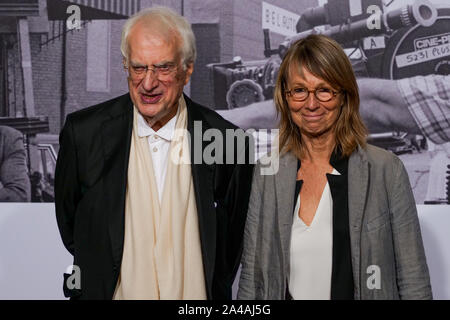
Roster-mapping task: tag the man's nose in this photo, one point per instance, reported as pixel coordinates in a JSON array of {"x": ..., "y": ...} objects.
[{"x": 150, "y": 80}]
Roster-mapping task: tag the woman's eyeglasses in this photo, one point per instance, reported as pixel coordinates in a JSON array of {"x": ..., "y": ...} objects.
[{"x": 321, "y": 94}]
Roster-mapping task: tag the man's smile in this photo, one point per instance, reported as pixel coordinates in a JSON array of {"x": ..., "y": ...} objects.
[{"x": 150, "y": 98}]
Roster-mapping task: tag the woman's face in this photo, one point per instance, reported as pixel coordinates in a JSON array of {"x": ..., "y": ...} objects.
[{"x": 313, "y": 117}]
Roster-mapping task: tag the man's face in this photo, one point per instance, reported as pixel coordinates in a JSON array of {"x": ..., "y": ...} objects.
[{"x": 155, "y": 93}]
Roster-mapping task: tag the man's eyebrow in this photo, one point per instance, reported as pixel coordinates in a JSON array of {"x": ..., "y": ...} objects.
[
  {"x": 136, "y": 64},
  {"x": 159, "y": 64},
  {"x": 164, "y": 63}
]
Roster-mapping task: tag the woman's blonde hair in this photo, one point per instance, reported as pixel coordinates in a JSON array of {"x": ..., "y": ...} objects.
[{"x": 325, "y": 59}]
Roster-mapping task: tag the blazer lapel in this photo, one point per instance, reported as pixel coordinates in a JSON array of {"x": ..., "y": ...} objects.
[
  {"x": 116, "y": 141},
  {"x": 285, "y": 192},
  {"x": 358, "y": 181},
  {"x": 203, "y": 179}
]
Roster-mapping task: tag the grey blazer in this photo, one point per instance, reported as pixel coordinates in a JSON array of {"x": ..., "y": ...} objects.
[
  {"x": 384, "y": 230},
  {"x": 14, "y": 181}
]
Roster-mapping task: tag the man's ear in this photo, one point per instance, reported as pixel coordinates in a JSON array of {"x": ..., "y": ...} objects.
[{"x": 188, "y": 72}]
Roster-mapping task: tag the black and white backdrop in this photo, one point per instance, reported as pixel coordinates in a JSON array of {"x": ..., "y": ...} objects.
[{"x": 51, "y": 64}]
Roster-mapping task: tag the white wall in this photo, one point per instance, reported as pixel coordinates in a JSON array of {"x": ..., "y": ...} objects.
[
  {"x": 32, "y": 256},
  {"x": 33, "y": 259}
]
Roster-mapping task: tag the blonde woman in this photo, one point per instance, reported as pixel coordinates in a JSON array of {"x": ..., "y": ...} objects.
[{"x": 338, "y": 220}]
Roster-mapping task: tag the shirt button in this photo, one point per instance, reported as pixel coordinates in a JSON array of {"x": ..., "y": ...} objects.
[
  {"x": 155, "y": 137},
  {"x": 155, "y": 149}
]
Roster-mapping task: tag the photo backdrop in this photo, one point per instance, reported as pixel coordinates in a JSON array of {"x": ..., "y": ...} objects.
[{"x": 52, "y": 64}]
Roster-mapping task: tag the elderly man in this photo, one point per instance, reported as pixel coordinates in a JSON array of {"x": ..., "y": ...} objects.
[
  {"x": 139, "y": 221},
  {"x": 14, "y": 181}
]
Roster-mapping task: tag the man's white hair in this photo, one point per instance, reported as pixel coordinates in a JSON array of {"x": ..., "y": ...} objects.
[{"x": 167, "y": 20}]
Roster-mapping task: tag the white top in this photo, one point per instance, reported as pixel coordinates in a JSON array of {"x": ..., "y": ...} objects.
[
  {"x": 159, "y": 146},
  {"x": 311, "y": 251}
]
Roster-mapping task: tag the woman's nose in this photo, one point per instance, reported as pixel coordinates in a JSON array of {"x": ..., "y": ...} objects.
[{"x": 311, "y": 102}]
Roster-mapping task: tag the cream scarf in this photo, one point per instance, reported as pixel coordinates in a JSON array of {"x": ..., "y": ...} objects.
[{"x": 162, "y": 256}]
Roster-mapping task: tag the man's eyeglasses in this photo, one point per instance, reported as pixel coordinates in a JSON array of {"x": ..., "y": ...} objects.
[
  {"x": 162, "y": 72},
  {"x": 322, "y": 94}
]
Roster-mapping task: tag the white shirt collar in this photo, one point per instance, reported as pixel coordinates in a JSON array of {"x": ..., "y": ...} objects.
[
  {"x": 165, "y": 132},
  {"x": 335, "y": 172}
]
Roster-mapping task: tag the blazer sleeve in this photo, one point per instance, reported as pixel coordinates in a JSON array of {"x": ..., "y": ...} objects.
[
  {"x": 14, "y": 180},
  {"x": 67, "y": 186},
  {"x": 247, "y": 290},
  {"x": 413, "y": 279}
]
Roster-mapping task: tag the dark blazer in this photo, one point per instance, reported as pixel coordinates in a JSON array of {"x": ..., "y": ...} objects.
[
  {"x": 383, "y": 223},
  {"x": 14, "y": 180},
  {"x": 90, "y": 185}
]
